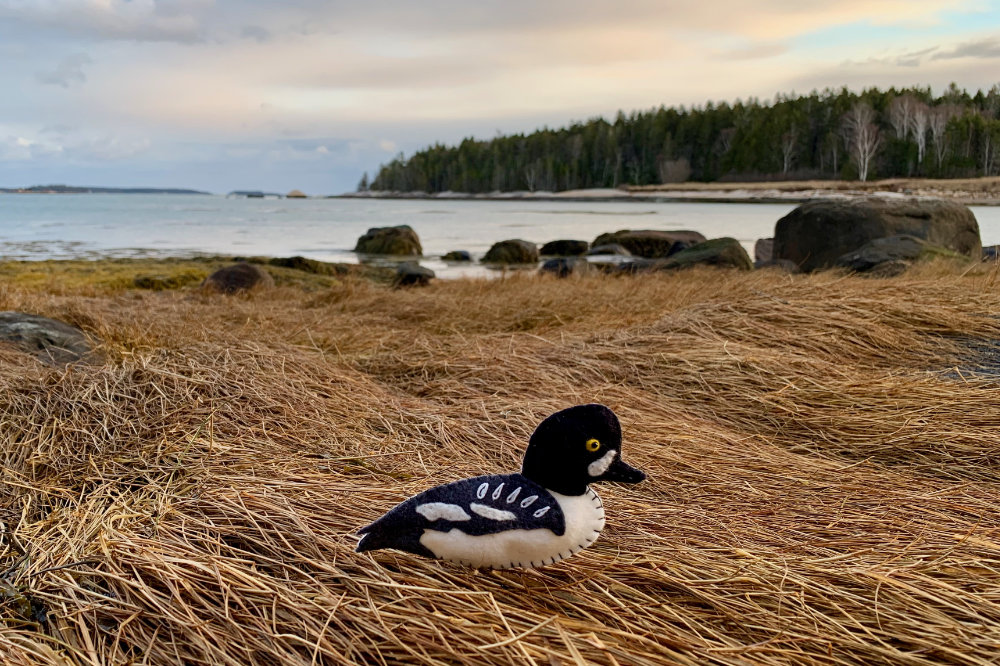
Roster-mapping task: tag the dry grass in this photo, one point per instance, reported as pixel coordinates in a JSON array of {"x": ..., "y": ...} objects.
[{"x": 824, "y": 484}]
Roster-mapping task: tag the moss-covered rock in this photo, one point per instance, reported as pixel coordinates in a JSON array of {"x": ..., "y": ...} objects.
[
  {"x": 238, "y": 278},
  {"x": 727, "y": 252},
  {"x": 896, "y": 251},
  {"x": 401, "y": 241},
  {"x": 514, "y": 251},
  {"x": 651, "y": 243}
]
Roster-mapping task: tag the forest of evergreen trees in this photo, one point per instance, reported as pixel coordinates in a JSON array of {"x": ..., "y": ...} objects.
[{"x": 824, "y": 135}]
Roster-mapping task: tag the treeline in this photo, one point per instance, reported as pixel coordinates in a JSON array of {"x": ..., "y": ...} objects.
[{"x": 824, "y": 135}]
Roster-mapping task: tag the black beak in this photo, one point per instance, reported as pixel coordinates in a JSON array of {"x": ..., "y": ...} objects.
[{"x": 622, "y": 472}]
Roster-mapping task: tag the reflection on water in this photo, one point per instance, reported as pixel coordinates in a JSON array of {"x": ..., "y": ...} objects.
[{"x": 88, "y": 226}]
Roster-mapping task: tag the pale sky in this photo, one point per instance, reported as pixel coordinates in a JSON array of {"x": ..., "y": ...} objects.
[{"x": 309, "y": 94}]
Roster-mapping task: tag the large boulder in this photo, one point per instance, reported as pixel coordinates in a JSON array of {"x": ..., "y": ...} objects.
[
  {"x": 726, "y": 252},
  {"x": 238, "y": 277},
  {"x": 515, "y": 251},
  {"x": 401, "y": 240},
  {"x": 816, "y": 234},
  {"x": 897, "y": 250},
  {"x": 50, "y": 340},
  {"x": 565, "y": 248},
  {"x": 651, "y": 243},
  {"x": 457, "y": 255}
]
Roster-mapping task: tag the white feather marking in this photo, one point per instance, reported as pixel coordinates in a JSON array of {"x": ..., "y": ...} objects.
[
  {"x": 513, "y": 495},
  {"x": 483, "y": 489},
  {"x": 528, "y": 501},
  {"x": 601, "y": 465},
  {"x": 496, "y": 493},
  {"x": 442, "y": 511},
  {"x": 541, "y": 512},
  {"x": 491, "y": 513}
]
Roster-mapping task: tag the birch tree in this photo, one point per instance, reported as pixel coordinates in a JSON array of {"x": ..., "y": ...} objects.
[
  {"x": 939, "y": 118},
  {"x": 919, "y": 118},
  {"x": 862, "y": 137},
  {"x": 901, "y": 111},
  {"x": 788, "y": 142}
]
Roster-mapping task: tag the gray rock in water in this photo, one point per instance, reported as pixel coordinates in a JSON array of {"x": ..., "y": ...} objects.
[
  {"x": 651, "y": 243},
  {"x": 564, "y": 248},
  {"x": 457, "y": 255},
  {"x": 565, "y": 266},
  {"x": 816, "y": 234},
  {"x": 50, "y": 340},
  {"x": 515, "y": 251},
  {"x": 400, "y": 241},
  {"x": 237, "y": 278},
  {"x": 900, "y": 251},
  {"x": 613, "y": 249},
  {"x": 410, "y": 274}
]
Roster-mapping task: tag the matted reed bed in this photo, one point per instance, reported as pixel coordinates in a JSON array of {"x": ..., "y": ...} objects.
[{"x": 823, "y": 460}]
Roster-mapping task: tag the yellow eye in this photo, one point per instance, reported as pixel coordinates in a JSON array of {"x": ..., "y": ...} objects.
[{"x": 593, "y": 445}]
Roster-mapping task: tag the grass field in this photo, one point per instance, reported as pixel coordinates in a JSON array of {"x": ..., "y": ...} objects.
[{"x": 822, "y": 452}]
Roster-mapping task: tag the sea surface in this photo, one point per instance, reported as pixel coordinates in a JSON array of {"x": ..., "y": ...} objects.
[{"x": 47, "y": 226}]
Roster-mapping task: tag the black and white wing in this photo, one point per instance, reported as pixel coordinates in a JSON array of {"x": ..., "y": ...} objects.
[{"x": 477, "y": 506}]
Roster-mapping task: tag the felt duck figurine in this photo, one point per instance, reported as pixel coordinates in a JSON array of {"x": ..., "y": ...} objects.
[{"x": 540, "y": 516}]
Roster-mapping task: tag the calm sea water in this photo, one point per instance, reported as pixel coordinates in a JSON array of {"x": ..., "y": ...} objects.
[{"x": 93, "y": 225}]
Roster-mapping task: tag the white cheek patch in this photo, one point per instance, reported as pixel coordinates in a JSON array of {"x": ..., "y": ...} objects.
[
  {"x": 443, "y": 511},
  {"x": 491, "y": 513},
  {"x": 601, "y": 465}
]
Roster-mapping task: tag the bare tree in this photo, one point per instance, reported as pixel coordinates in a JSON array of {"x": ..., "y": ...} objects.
[
  {"x": 901, "y": 111},
  {"x": 940, "y": 116},
  {"x": 789, "y": 140},
  {"x": 861, "y": 136},
  {"x": 919, "y": 119}
]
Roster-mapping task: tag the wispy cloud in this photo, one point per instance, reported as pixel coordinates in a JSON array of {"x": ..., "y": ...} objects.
[
  {"x": 68, "y": 71},
  {"x": 983, "y": 48}
]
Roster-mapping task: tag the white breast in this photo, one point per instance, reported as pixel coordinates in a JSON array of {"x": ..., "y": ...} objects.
[{"x": 584, "y": 516}]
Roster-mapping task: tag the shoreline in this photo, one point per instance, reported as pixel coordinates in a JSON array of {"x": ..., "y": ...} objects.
[{"x": 971, "y": 192}]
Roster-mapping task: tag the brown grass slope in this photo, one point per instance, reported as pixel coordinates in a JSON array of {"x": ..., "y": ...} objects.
[{"x": 824, "y": 473}]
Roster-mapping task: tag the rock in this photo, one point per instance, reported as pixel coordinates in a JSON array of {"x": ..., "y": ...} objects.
[
  {"x": 651, "y": 243},
  {"x": 565, "y": 266},
  {"x": 410, "y": 274},
  {"x": 238, "y": 277},
  {"x": 457, "y": 255},
  {"x": 296, "y": 194},
  {"x": 725, "y": 252},
  {"x": 401, "y": 240},
  {"x": 900, "y": 248},
  {"x": 763, "y": 251},
  {"x": 53, "y": 342},
  {"x": 817, "y": 233},
  {"x": 889, "y": 269},
  {"x": 609, "y": 248},
  {"x": 564, "y": 248},
  {"x": 514, "y": 251}
]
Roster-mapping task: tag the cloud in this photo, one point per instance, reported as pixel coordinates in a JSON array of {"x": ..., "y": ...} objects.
[
  {"x": 915, "y": 58},
  {"x": 984, "y": 48},
  {"x": 138, "y": 20},
  {"x": 69, "y": 70},
  {"x": 256, "y": 33}
]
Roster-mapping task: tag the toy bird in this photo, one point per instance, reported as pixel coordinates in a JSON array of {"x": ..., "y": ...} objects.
[{"x": 540, "y": 516}]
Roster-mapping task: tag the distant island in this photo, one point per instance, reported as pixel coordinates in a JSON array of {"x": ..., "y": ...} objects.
[
  {"x": 834, "y": 135},
  {"x": 71, "y": 189}
]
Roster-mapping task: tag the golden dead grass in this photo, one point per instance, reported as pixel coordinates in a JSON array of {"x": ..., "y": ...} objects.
[{"x": 822, "y": 457}]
